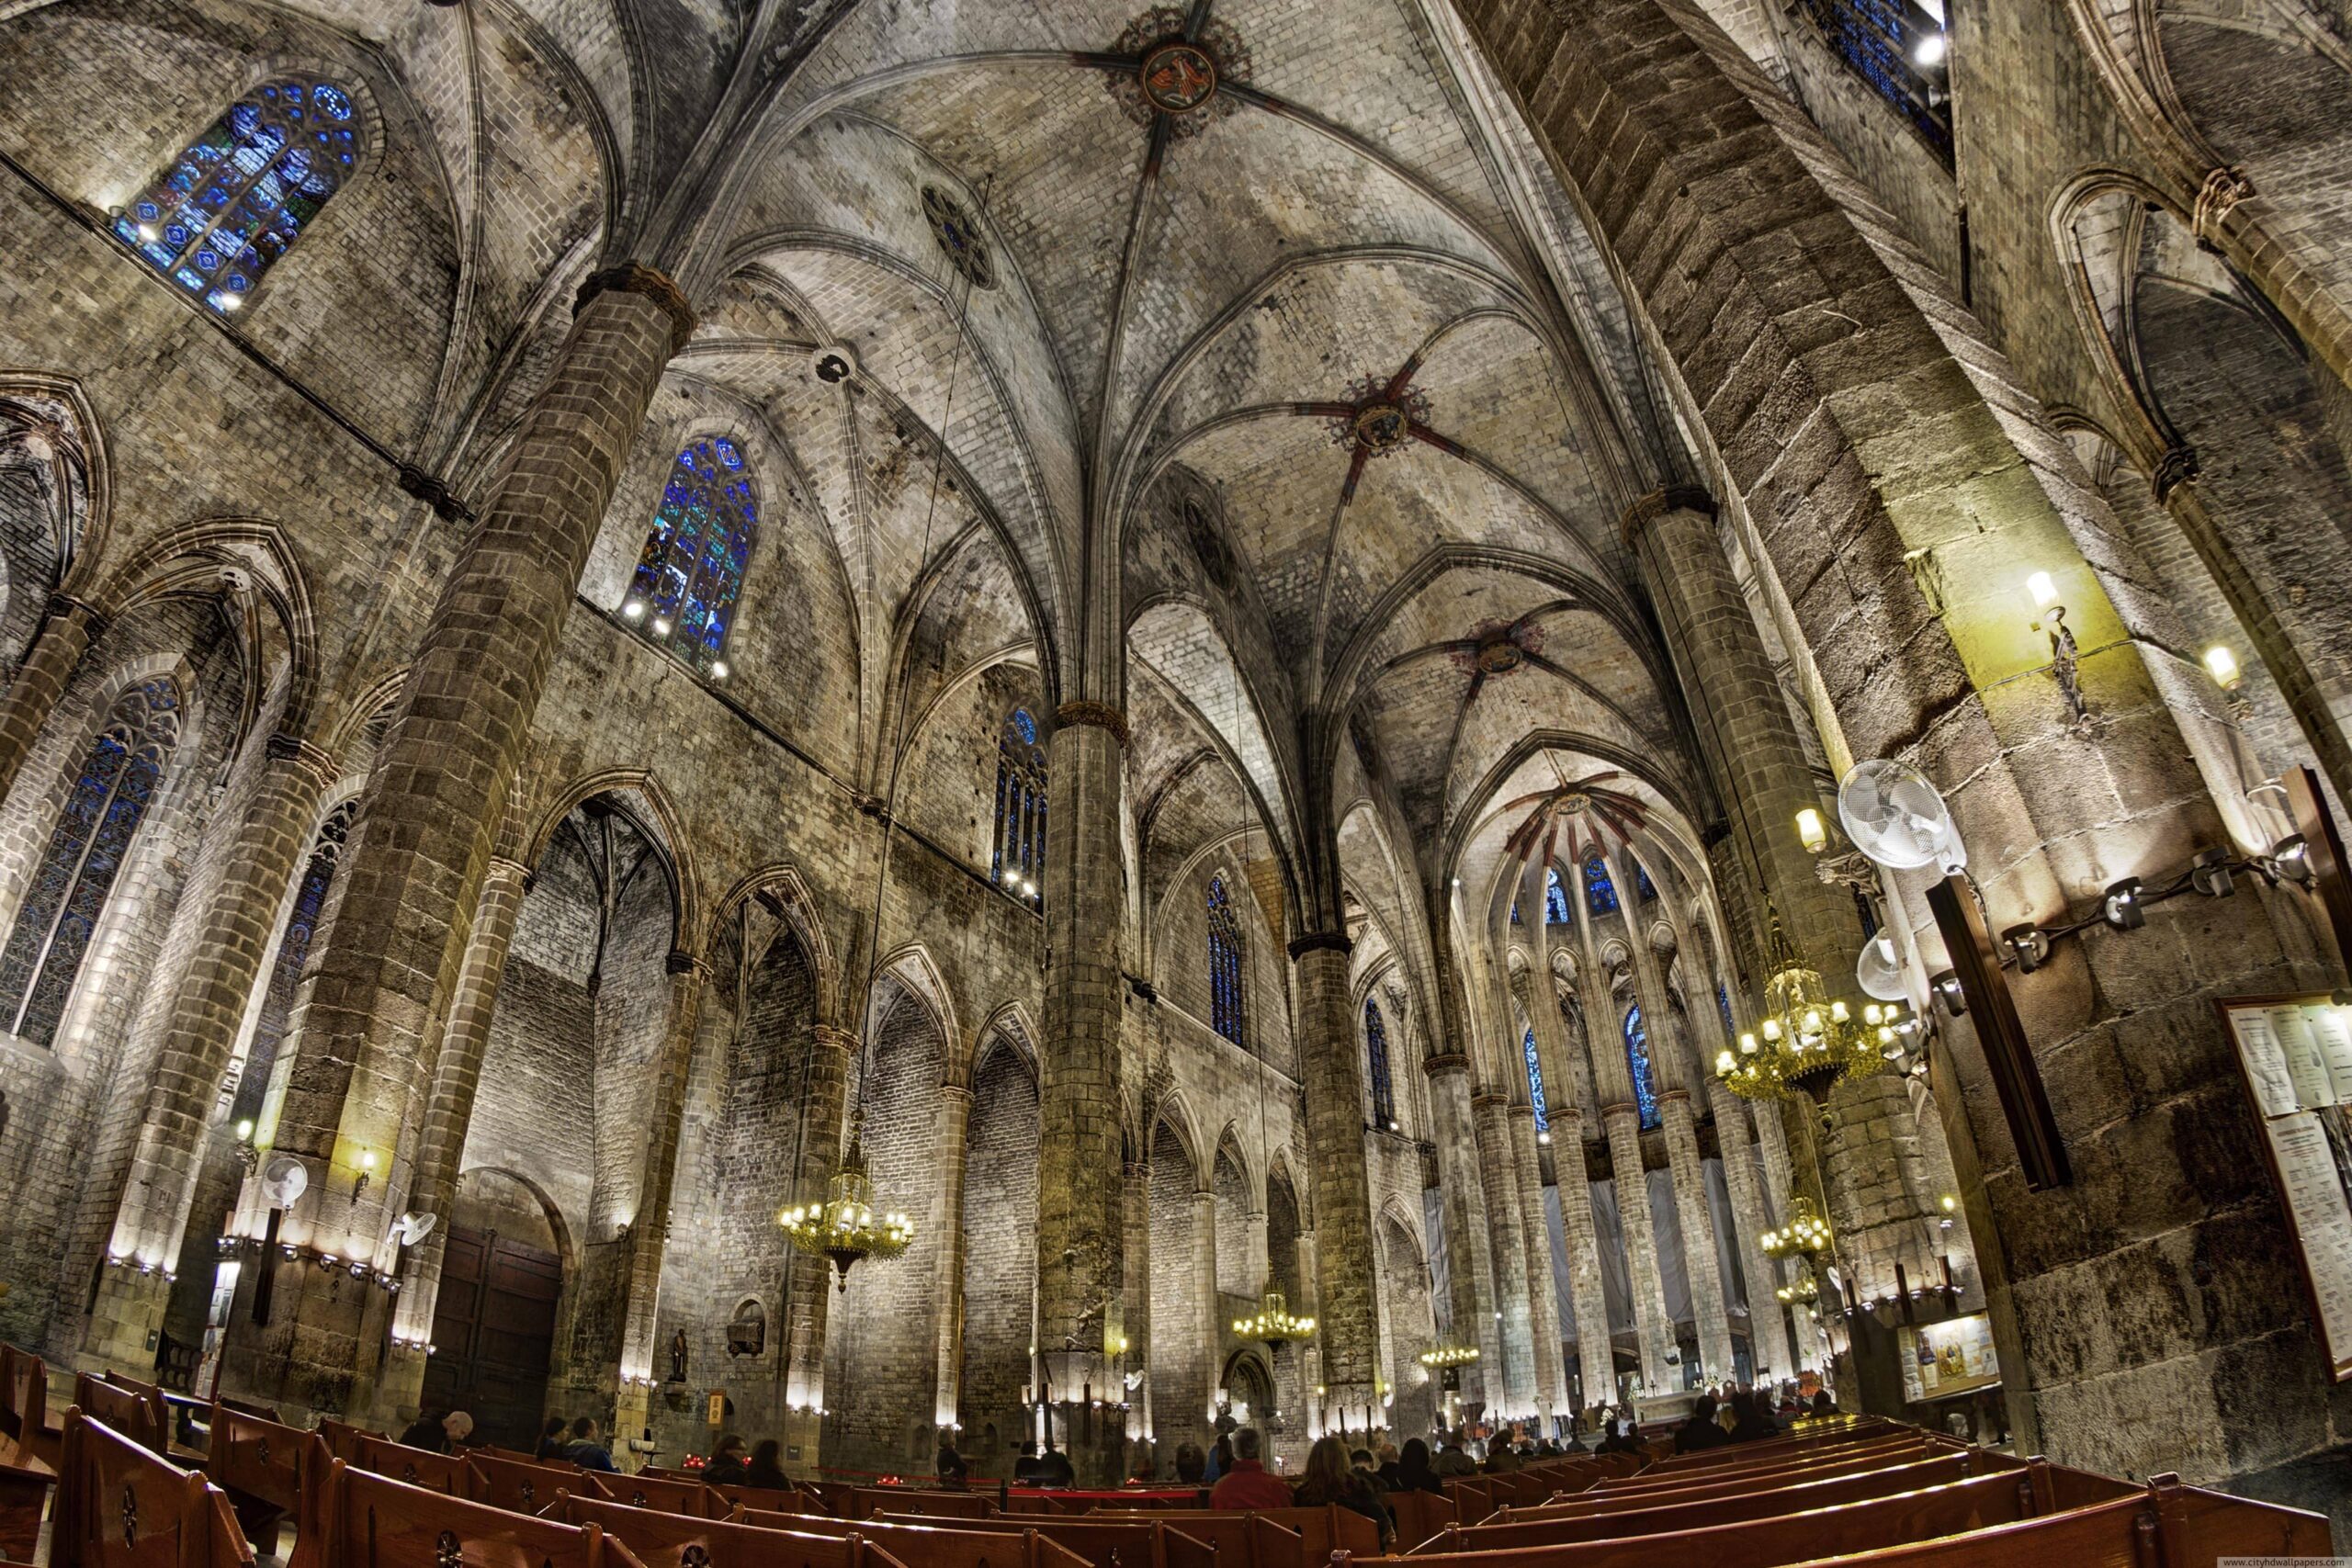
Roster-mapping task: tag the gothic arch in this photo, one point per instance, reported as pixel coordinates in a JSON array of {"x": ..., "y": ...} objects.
[
  {"x": 663, "y": 827},
  {"x": 782, "y": 890}
]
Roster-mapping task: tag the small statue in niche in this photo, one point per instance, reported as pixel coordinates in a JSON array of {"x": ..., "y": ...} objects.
[{"x": 678, "y": 1356}]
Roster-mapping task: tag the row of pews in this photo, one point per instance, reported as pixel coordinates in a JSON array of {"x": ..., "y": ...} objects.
[{"x": 1856, "y": 1490}]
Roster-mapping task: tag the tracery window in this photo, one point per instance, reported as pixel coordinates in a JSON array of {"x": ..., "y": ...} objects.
[
  {"x": 1898, "y": 47},
  {"x": 1723, "y": 1005},
  {"x": 1642, "y": 886},
  {"x": 85, "y": 852},
  {"x": 1637, "y": 1065},
  {"x": 293, "y": 951},
  {"x": 1599, "y": 893},
  {"x": 1383, "y": 1091},
  {"x": 1535, "y": 1083},
  {"x": 1019, "y": 862},
  {"x": 1224, "y": 963},
  {"x": 1556, "y": 899},
  {"x": 238, "y": 195},
  {"x": 690, "y": 571}
]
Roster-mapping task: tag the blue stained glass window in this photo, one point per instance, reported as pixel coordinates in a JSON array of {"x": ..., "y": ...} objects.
[
  {"x": 85, "y": 852},
  {"x": 293, "y": 951},
  {"x": 690, "y": 571},
  {"x": 1643, "y": 885},
  {"x": 1637, "y": 1064},
  {"x": 1880, "y": 41},
  {"x": 1723, "y": 1005},
  {"x": 1383, "y": 1089},
  {"x": 1224, "y": 963},
  {"x": 240, "y": 194},
  {"x": 1514, "y": 912},
  {"x": 1535, "y": 1084},
  {"x": 1599, "y": 893},
  {"x": 1555, "y": 899},
  {"x": 1020, "y": 858}
]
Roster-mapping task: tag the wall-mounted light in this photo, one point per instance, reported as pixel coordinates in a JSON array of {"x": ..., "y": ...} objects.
[
  {"x": 245, "y": 1130},
  {"x": 2051, "y": 616},
  {"x": 1932, "y": 52},
  {"x": 2121, "y": 907},
  {"x": 367, "y": 1173},
  {"x": 1812, "y": 831},
  {"x": 633, "y": 609},
  {"x": 718, "y": 671},
  {"x": 2222, "y": 665}
]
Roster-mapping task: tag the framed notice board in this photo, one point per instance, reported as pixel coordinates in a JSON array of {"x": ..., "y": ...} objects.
[{"x": 2296, "y": 1055}]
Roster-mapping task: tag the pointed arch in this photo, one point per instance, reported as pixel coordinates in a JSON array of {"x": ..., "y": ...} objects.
[
  {"x": 783, "y": 893},
  {"x": 663, "y": 827},
  {"x": 690, "y": 571},
  {"x": 1228, "y": 966}
]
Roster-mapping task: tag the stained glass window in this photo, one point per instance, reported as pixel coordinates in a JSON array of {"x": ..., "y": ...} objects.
[
  {"x": 1224, "y": 963},
  {"x": 1020, "y": 860},
  {"x": 1384, "y": 1090},
  {"x": 1637, "y": 1064},
  {"x": 1556, "y": 899},
  {"x": 1643, "y": 885},
  {"x": 1599, "y": 893},
  {"x": 240, "y": 194},
  {"x": 1535, "y": 1084},
  {"x": 1898, "y": 47},
  {"x": 1514, "y": 912},
  {"x": 88, "y": 847},
  {"x": 1723, "y": 1005},
  {"x": 293, "y": 951},
  {"x": 690, "y": 571}
]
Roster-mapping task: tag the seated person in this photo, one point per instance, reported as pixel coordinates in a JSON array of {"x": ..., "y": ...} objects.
[
  {"x": 1702, "y": 1432},
  {"x": 438, "y": 1433},
  {"x": 729, "y": 1463},
  {"x": 1249, "y": 1484},
  {"x": 584, "y": 1450}
]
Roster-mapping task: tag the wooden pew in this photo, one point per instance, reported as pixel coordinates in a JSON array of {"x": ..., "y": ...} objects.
[
  {"x": 944, "y": 1545},
  {"x": 1845, "y": 1461},
  {"x": 360, "y": 1519},
  {"x": 38, "y": 1429},
  {"x": 1976, "y": 1461},
  {"x": 121, "y": 1410},
  {"x": 931, "y": 1504},
  {"x": 1472, "y": 1496},
  {"x": 24, "y": 1477},
  {"x": 521, "y": 1486},
  {"x": 267, "y": 1468},
  {"x": 121, "y": 1504},
  {"x": 1242, "y": 1540},
  {"x": 1420, "y": 1516},
  {"x": 1788, "y": 1443},
  {"x": 1321, "y": 1530},
  {"x": 1667, "y": 1516},
  {"x": 449, "y": 1474},
  {"x": 774, "y": 1499},
  {"x": 663, "y": 1540},
  {"x": 343, "y": 1438},
  {"x": 1124, "y": 1543},
  {"x": 154, "y": 1396},
  {"x": 691, "y": 1498}
]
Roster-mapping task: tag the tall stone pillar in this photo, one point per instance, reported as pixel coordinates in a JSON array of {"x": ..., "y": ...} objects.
[
  {"x": 1653, "y": 1330},
  {"x": 1348, "y": 1325},
  {"x": 1498, "y": 1170},
  {"x": 810, "y": 1280},
  {"x": 65, "y": 634},
  {"x": 1779, "y": 1191},
  {"x": 425, "y": 833},
  {"x": 1768, "y": 1333},
  {"x": 1596, "y": 1358},
  {"x": 947, "y": 1218},
  {"x": 1137, "y": 1187},
  {"x": 1209, "y": 1322},
  {"x": 1713, "y": 1318},
  {"x": 1469, "y": 1284},
  {"x": 1080, "y": 1208},
  {"x": 448, "y": 1114},
  {"x": 1543, "y": 1299},
  {"x": 649, "y": 1231},
  {"x": 279, "y": 781}
]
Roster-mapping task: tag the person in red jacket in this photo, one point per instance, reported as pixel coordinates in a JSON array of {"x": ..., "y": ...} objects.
[{"x": 1249, "y": 1484}]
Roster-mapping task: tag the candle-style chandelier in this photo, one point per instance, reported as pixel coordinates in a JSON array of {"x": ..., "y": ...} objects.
[
  {"x": 1444, "y": 1356},
  {"x": 1273, "y": 1322},
  {"x": 844, "y": 1227},
  {"x": 1805, "y": 1236},
  {"x": 1806, "y": 1042}
]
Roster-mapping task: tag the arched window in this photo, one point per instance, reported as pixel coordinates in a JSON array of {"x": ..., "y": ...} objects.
[
  {"x": 1555, "y": 899},
  {"x": 1723, "y": 1005},
  {"x": 240, "y": 193},
  {"x": 1224, "y": 963},
  {"x": 1599, "y": 893},
  {"x": 293, "y": 951},
  {"x": 1019, "y": 862},
  {"x": 1535, "y": 1083},
  {"x": 1643, "y": 885},
  {"x": 92, "y": 840},
  {"x": 1376, "y": 1045},
  {"x": 690, "y": 571},
  {"x": 1637, "y": 1064}
]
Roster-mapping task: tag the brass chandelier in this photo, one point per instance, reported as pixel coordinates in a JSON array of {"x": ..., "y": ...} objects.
[
  {"x": 1273, "y": 1322},
  {"x": 1806, "y": 1042},
  {"x": 1445, "y": 1356},
  {"x": 844, "y": 1227}
]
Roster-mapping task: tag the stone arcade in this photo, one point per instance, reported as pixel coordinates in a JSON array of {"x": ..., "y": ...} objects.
[{"x": 1202, "y": 628}]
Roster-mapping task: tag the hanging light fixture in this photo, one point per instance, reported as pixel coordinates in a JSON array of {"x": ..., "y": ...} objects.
[
  {"x": 1273, "y": 1322},
  {"x": 1805, "y": 1043},
  {"x": 1445, "y": 1356},
  {"x": 844, "y": 1227}
]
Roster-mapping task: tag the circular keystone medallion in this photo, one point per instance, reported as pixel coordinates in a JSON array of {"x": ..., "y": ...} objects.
[{"x": 1178, "y": 77}]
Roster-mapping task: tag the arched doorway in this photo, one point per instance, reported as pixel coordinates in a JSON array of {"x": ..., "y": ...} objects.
[{"x": 493, "y": 1322}]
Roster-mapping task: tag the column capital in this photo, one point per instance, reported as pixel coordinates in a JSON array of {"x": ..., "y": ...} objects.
[
  {"x": 1658, "y": 502},
  {"x": 956, "y": 1093},
  {"x": 1094, "y": 716},
  {"x": 1444, "y": 1062},
  {"x": 511, "y": 869},
  {"x": 1487, "y": 1100},
  {"x": 633, "y": 278},
  {"x": 2175, "y": 467},
  {"x": 280, "y": 747},
  {"x": 680, "y": 963},
  {"x": 836, "y": 1039},
  {"x": 2216, "y": 199},
  {"x": 67, "y": 607},
  {"x": 1320, "y": 942}
]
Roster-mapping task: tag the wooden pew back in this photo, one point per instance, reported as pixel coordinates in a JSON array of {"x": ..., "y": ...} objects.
[
  {"x": 691, "y": 1498},
  {"x": 124, "y": 1411},
  {"x": 1240, "y": 1541},
  {"x": 1421, "y": 1514},
  {"x": 943, "y": 1545},
  {"x": 449, "y": 1474},
  {"x": 343, "y": 1438},
  {"x": 24, "y": 1402},
  {"x": 264, "y": 1459},
  {"x": 1874, "y": 1456},
  {"x": 365, "y": 1520},
  {"x": 1764, "y": 1481},
  {"x": 1814, "y": 1440},
  {"x": 663, "y": 1540},
  {"x": 1664, "y": 1515},
  {"x": 867, "y": 1501},
  {"x": 1126, "y": 1542},
  {"x": 121, "y": 1504},
  {"x": 521, "y": 1486}
]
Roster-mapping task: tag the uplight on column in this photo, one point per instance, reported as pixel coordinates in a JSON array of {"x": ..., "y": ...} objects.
[
  {"x": 1812, "y": 831},
  {"x": 2222, "y": 665}
]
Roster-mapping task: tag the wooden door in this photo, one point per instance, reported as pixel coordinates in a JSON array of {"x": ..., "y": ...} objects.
[{"x": 493, "y": 1328}]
